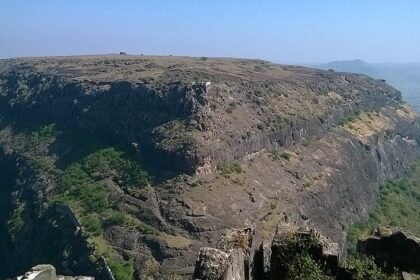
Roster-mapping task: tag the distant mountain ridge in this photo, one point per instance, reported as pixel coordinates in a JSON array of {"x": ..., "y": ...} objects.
[
  {"x": 356, "y": 65},
  {"x": 403, "y": 76}
]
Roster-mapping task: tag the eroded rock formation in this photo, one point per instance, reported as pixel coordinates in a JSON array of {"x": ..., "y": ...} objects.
[
  {"x": 266, "y": 145},
  {"x": 393, "y": 248},
  {"x": 230, "y": 261},
  {"x": 291, "y": 241},
  {"x": 47, "y": 272}
]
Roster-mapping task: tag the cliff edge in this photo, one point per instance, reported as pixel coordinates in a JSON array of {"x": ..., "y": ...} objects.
[{"x": 185, "y": 150}]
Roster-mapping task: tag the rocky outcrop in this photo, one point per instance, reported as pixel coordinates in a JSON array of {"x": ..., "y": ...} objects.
[
  {"x": 235, "y": 264},
  {"x": 393, "y": 248},
  {"x": 230, "y": 262},
  {"x": 215, "y": 264},
  {"x": 47, "y": 272},
  {"x": 291, "y": 241}
]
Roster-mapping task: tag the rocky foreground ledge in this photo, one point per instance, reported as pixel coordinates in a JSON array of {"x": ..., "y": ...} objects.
[
  {"x": 47, "y": 272},
  {"x": 393, "y": 249}
]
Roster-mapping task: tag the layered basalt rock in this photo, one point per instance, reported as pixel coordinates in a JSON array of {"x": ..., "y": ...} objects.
[
  {"x": 287, "y": 128},
  {"x": 186, "y": 123},
  {"x": 393, "y": 248},
  {"x": 230, "y": 261},
  {"x": 291, "y": 241},
  {"x": 228, "y": 264}
]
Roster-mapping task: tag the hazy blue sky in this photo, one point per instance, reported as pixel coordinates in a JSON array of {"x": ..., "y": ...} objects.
[{"x": 290, "y": 31}]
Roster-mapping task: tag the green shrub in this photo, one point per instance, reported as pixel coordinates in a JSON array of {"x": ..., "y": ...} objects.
[
  {"x": 399, "y": 205},
  {"x": 349, "y": 119},
  {"x": 122, "y": 270},
  {"x": 296, "y": 262},
  {"x": 355, "y": 232},
  {"x": 102, "y": 162},
  {"x": 132, "y": 174},
  {"x": 42, "y": 135},
  {"x": 17, "y": 221},
  {"x": 303, "y": 267},
  {"x": 79, "y": 185},
  {"x": 77, "y": 188},
  {"x": 232, "y": 106},
  {"x": 92, "y": 224},
  {"x": 228, "y": 168},
  {"x": 274, "y": 154},
  {"x": 286, "y": 155},
  {"x": 236, "y": 167},
  {"x": 108, "y": 161},
  {"x": 73, "y": 176},
  {"x": 115, "y": 218},
  {"x": 364, "y": 268},
  {"x": 146, "y": 229}
]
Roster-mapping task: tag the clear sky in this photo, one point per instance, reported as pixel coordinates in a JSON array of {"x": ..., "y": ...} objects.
[{"x": 289, "y": 31}]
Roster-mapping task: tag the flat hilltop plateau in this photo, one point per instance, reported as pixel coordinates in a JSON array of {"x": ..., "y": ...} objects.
[{"x": 135, "y": 163}]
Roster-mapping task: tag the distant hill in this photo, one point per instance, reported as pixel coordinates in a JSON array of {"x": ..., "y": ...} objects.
[
  {"x": 356, "y": 66},
  {"x": 403, "y": 76}
]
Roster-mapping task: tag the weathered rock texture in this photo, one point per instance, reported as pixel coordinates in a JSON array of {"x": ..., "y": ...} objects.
[
  {"x": 47, "y": 272},
  {"x": 230, "y": 261},
  {"x": 303, "y": 158},
  {"x": 291, "y": 241},
  {"x": 214, "y": 264},
  {"x": 393, "y": 248},
  {"x": 158, "y": 102},
  {"x": 273, "y": 264}
]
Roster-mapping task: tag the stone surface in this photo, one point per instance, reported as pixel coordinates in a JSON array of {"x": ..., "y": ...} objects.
[
  {"x": 292, "y": 240},
  {"x": 211, "y": 264},
  {"x": 230, "y": 261},
  {"x": 47, "y": 272},
  {"x": 214, "y": 264},
  {"x": 393, "y": 247},
  {"x": 407, "y": 276}
]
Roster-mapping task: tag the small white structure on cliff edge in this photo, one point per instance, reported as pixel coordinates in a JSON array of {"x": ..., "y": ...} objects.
[{"x": 208, "y": 86}]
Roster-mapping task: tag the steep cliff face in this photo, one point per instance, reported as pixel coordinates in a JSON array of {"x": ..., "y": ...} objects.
[
  {"x": 231, "y": 143},
  {"x": 166, "y": 106},
  {"x": 34, "y": 233},
  {"x": 328, "y": 182}
]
